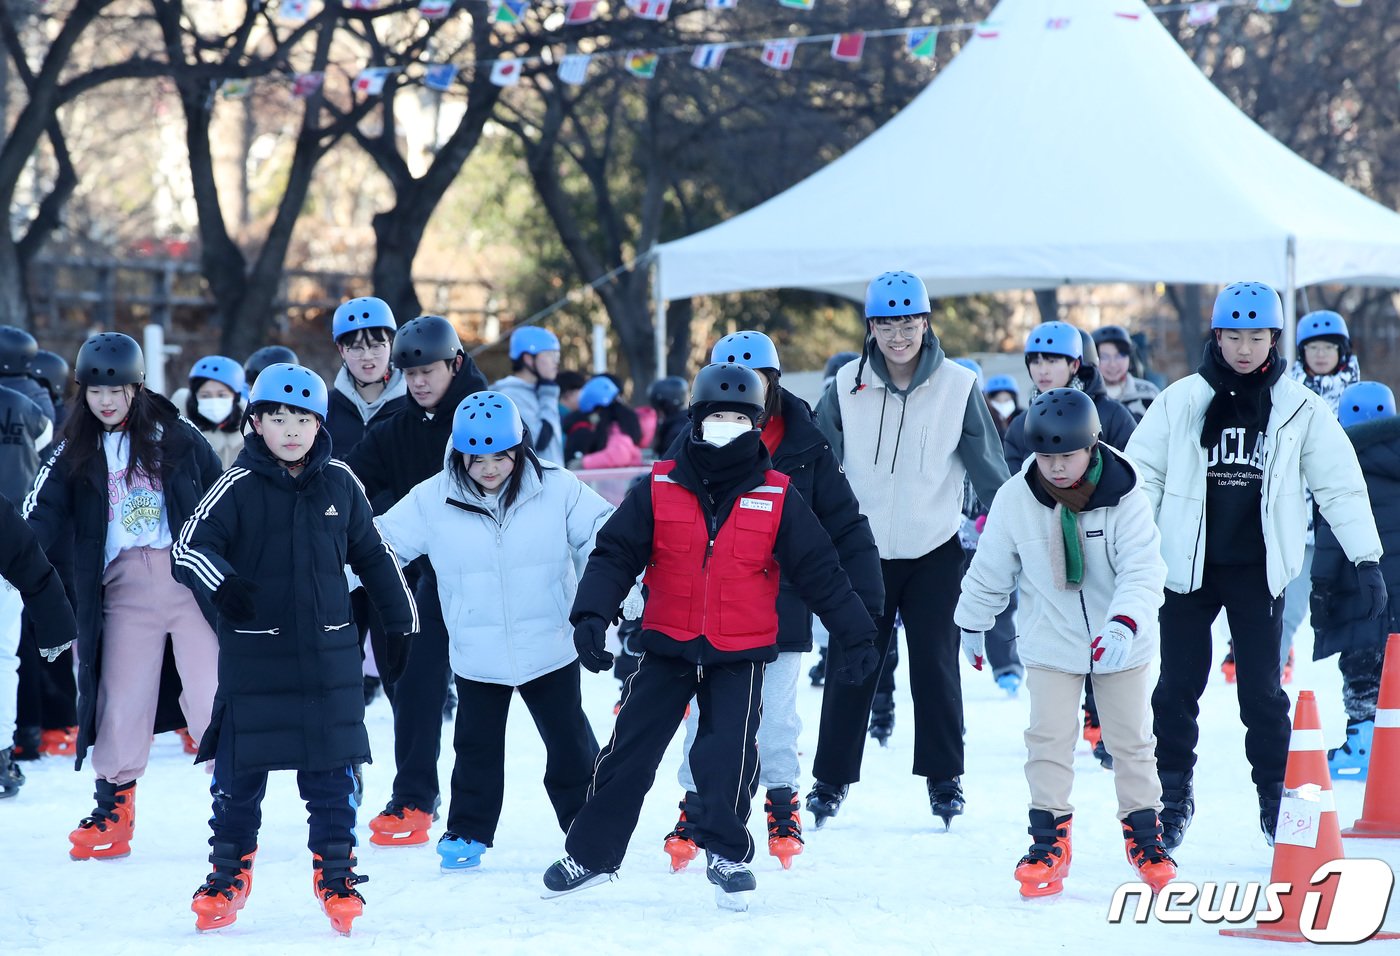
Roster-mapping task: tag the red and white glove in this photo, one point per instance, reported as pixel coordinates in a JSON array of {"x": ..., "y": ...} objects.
[
  {"x": 974, "y": 648},
  {"x": 1112, "y": 648}
]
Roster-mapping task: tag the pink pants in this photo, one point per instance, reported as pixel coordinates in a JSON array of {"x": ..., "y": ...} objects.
[{"x": 141, "y": 604}]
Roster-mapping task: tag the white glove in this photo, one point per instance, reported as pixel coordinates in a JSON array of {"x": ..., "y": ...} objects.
[
  {"x": 51, "y": 653},
  {"x": 633, "y": 604},
  {"x": 974, "y": 647},
  {"x": 1112, "y": 647}
]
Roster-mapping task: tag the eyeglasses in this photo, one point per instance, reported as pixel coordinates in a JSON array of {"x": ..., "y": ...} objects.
[
  {"x": 374, "y": 348},
  {"x": 1316, "y": 347},
  {"x": 905, "y": 330}
]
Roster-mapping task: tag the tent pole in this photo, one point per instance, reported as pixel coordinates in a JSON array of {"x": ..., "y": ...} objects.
[
  {"x": 659, "y": 325},
  {"x": 1290, "y": 300}
]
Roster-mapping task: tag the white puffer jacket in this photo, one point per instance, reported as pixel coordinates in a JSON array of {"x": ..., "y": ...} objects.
[
  {"x": 1305, "y": 448},
  {"x": 1022, "y": 542},
  {"x": 506, "y": 581}
]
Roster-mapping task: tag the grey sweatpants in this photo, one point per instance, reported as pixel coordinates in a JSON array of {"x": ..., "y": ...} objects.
[{"x": 777, "y": 729}]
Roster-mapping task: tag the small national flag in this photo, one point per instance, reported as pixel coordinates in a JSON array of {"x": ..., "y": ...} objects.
[
  {"x": 510, "y": 11},
  {"x": 1123, "y": 16},
  {"x": 573, "y": 69},
  {"x": 439, "y": 76},
  {"x": 779, "y": 53},
  {"x": 362, "y": 4},
  {"x": 371, "y": 80},
  {"x": 721, "y": 4},
  {"x": 580, "y": 11},
  {"x": 294, "y": 11},
  {"x": 235, "y": 88},
  {"x": 1203, "y": 14},
  {"x": 651, "y": 9},
  {"x": 922, "y": 42},
  {"x": 848, "y": 47},
  {"x": 798, "y": 4},
  {"x": 434, "y": 9},
  {"x": 306, "y": 84},
  {"x": 708, "y": 57},
  {"x": 1057, "y": 23},
  {"x": 505, "y": 72},
  {"x": 1274, "y": 6},
  {"x": 1348, "y": 4},
  {"x": 641, "y": 63}
]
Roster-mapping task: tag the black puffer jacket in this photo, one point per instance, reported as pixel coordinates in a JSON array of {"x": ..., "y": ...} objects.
[
  {"x": 347, "y": 425},
  {"x": 290, "y": 685},
  {"x": 62, "y": 503},
  {"x": 1115, "y": 421},
  {"x": 22, "y": 428},
  {"x": 803, "y": 549},
  {"x": 407, "y": 447},
  {"x": 33, "y": 391},
  {"x": 23, "y": 565},
  {"x": 1338, "y": 608}
]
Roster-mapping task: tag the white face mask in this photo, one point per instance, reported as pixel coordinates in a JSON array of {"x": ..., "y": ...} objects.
[
  {"x": 1004, "y": 407},
  {"x": 720, "y": 434},
  {"x": 215, "y": 410}
]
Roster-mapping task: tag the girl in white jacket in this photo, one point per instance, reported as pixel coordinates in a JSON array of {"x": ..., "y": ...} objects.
[
  {"x": 502, "y": 529},
  {"x": 1074, "y": 531}
]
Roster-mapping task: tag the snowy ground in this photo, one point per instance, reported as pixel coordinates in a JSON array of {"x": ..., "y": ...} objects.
[{"x": 882, "y": 875}]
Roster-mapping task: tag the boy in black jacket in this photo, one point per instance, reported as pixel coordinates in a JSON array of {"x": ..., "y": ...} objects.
[
  {"x": 713, "y": 529},
  {"x": 270, "y": 542}
]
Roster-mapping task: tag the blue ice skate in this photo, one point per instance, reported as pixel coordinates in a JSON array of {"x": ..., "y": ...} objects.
[
  {"x": 1009, "y": 682},
  {"x": 1351, "y": 760},
  {"x": 459, "y": 854}
]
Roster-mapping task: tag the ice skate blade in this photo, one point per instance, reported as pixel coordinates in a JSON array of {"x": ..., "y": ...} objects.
[
  {"x": 733, "y": 902},
  {"x": 212, "y": 924},
  {"x": 1042, "y": 891},
  {"x": 460, "y": 866},
  {"x": 411, "y": 838},
  {"x": 114, "y": 852},
  {"x": 593, "y": 880}
]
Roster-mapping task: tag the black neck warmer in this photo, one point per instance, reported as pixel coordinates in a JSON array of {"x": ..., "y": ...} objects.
[{"x": 1239, "y": 399}]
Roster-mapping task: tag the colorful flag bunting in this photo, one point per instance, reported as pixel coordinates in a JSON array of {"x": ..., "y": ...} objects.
[
  {"x": 848, "y": 47},
  {"x": 439, "y": 76},
  {"x": 651, "y": 9},
  {"x": 641, "y": 63},
  {"x": 361, "y": 4},
  {"x": 1202, "y": 14},
  {"x": 1122, "y": 16},
  {"x": 294, "y": 11},
  {"x": 721, "y": 4},
  {"x": 371, "y": 80},
  {"x": 708, "y": 57},
  {"x": 509, "y": 11},
  {"x": 434, "y": 9},
  {"x": 1057, "y": 23},
  {"x": 922, "y": 42},
  {"x": 779, "y": 53},
  {"x": 235, "y": 89},
  {"x": 306, "y": 84},
  {"x": 580, "y": 11},
  {"x": 1348, "y": 4},
  {"x": 573, "y": 69},
  {"x": 798, "y": 4},
  {"x": 1274, "y": 6},
  {"x": 505, "y": 72}
]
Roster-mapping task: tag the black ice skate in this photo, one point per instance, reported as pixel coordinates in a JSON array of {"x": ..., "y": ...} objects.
[
  {"x": 11, "y": 777},
  {"x": 882, "y": 718},
  {"x": 1178, "y": 806},
  {"x": 1269, "y": 799},
  {"x": 946, "y": 799},
  {"x": 824, "y": 800},
  {"x": 734, "y": 882},
  {"x": 568, "y": 876}
]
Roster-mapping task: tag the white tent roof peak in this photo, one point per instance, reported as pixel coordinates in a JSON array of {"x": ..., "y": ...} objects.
[{"x": 1078, "y": 144}]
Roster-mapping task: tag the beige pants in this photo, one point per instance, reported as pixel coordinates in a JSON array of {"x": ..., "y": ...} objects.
[{"x": 1125, "y": 713}]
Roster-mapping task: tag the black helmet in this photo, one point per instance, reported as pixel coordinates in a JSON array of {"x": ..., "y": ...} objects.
[
  {"x": 727, "y": 388},
  {"x": 833, "y": 364},
  {"x": 110, "y": 358},
  {"x": 669, "y": 395},
  {"x": 1060, "y": 421},
  {"x": 1115, "y": 334},
  {"x": 265, "y": 356},
  {"x": 425, "y": 340},
  {"x": 1090, "y": 358},
  {"x": 17, "y": 347},
  {"x": 50, "y": 370}
]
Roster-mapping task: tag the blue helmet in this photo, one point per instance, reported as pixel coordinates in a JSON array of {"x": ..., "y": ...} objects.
[
  {"x": 292, "y": 385},
  {"x": 1055, "y": 338},
  {"x": 363, "y": 313},
  {"x": 753, "y": 349},
  {"x": 532, "y": 340},
  {"x": 597, "y": 392},
  {"x": 971, "y": 365},
  {"x": 1001, "y": 383},
  {"x": 1364, "y": 401},
  {"x": 1316, "y": 325},
  {"x": 486, "y": 423},
  {"x": 894, "y": 294},
  {"x": 221, "y": 369},
  {"x": 1247, "y": 305}
]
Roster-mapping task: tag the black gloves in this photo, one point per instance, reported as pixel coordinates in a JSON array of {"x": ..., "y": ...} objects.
[
  {"x": 396, "y": 647},
  {"x": 589, "y": 634},
  {"x": 234, "y": 599},
  {"x": 1372, "y": 584},
  {"x": 1321, "y": 605},
  {"x": 859, "y": 661}
]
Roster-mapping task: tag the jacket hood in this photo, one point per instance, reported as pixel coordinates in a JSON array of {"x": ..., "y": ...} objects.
[
  {"x": 1091, "y": 383},
  {"x": 1120, "y": 476},
  {"x": 397, "y": 387},
  {"x": 930, "y": 357},
  {"x": 1377, "y": 445},
  {"x": 259, "y": 459},
  {"x": 531, "y": 483},
  {"x": 800, "y": 431}
]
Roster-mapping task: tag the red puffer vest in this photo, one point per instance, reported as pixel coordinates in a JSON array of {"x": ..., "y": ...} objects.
[{"x": 725, "y": 589}]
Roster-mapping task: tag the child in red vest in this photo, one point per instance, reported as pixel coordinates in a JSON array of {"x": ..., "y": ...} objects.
[{"x": 711, "y": 529}]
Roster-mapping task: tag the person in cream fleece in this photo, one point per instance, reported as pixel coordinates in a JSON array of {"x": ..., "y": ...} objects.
[{"x": 1074, "y": 531}]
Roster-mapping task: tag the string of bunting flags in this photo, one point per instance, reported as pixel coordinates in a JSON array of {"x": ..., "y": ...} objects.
[{"x": 777, "y": 53}]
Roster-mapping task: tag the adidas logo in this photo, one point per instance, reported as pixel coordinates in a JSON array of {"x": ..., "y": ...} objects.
[{"x": 331, "y": 512}]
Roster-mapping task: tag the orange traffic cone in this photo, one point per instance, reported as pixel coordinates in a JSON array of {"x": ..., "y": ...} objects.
[
  {"x": 1307, "y": 835},
  {"x": 1380, "y": 814}
]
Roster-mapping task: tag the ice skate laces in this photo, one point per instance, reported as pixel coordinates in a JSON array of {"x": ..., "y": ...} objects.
[
  {"x": 572, "y": 871},
  {"x": 726, "y": 867}
]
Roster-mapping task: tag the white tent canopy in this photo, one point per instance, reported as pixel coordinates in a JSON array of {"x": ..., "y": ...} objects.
[{"x": 1086, "y": 152}]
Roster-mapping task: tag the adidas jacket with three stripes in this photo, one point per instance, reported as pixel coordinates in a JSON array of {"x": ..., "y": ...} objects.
[{"x": 290, "y": 685}]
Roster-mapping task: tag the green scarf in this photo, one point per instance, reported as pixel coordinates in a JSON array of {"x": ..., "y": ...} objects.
[{"x": 1073, "y": 499}]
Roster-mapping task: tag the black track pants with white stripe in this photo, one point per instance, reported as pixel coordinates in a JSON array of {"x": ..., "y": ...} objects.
[{"x": 724, "y": 758}]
